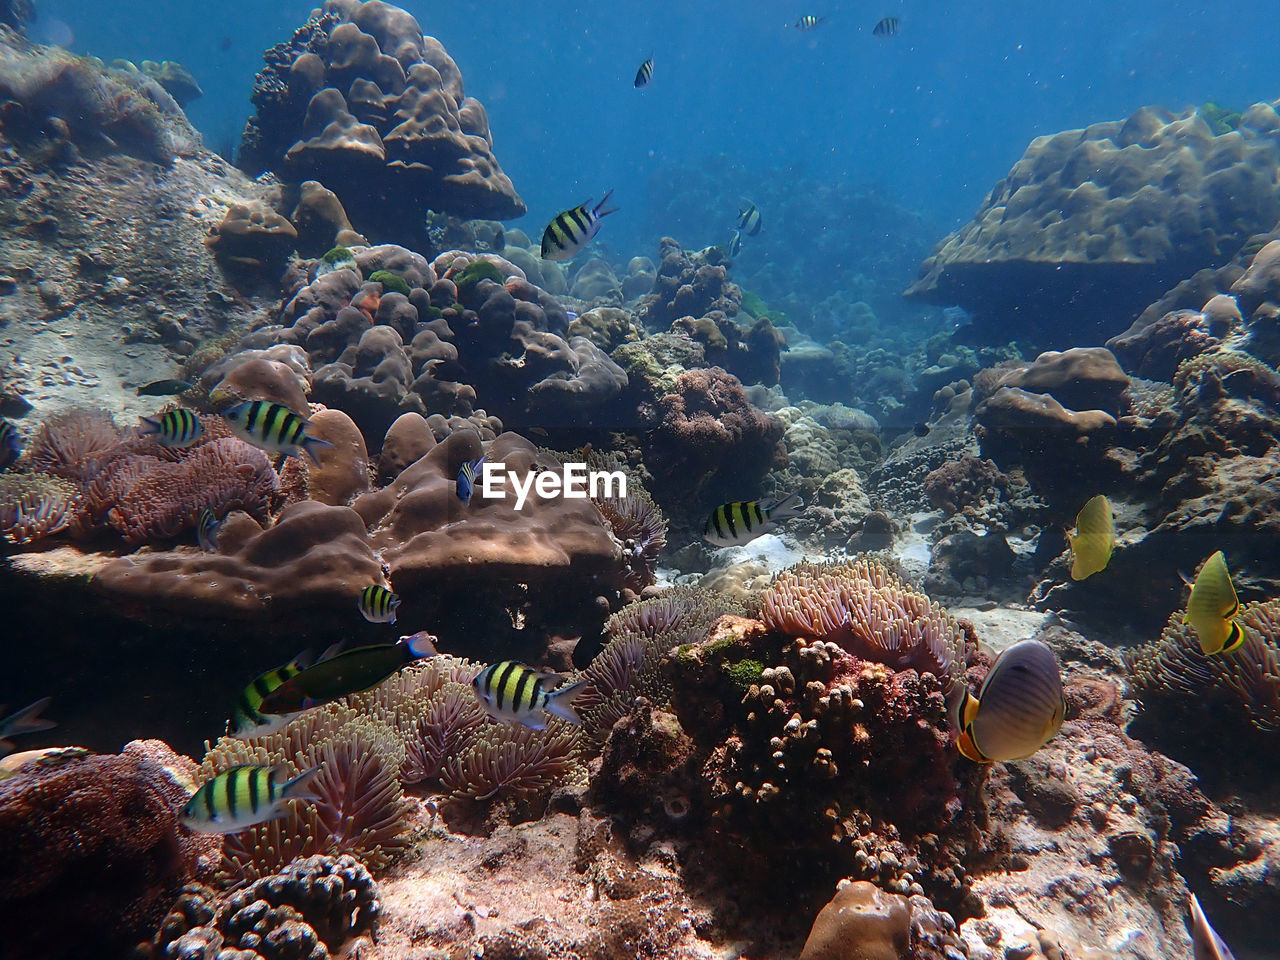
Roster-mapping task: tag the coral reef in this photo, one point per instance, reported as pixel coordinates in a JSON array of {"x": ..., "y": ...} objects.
[
  {"x": 361, "y": 101},
  {"x": 688, "y": 285},
  {"x": 84, "y": 818},
  {"x": 710, "y": 444},
  {"x": 310, "y": 909},
  {"x": 1089, "y": 210}
]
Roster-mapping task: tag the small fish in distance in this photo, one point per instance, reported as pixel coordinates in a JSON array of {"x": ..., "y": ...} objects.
[
  {"x": 244, "y": 797},
  {"x": 10, "y": 444},
  {"x": 174, "y": 428},
  {"x": 571, "y": 230},
  {"x": 735, "y": 243},
  {"x": 749, "y": 222},
  {"x": 467, "y": 474},
  {"x": 645, "y": 73},
  {"x": 207, "y": 527},
  {"x": 273, "y": 427},
  {"x": 163, "y": 388},
  {"x": 808, "y": 22},
  {"x": 512, "y": 693},
  {"x": 26, "y": 720},
  {"x": 887, "y": 27},
  {"x": 733, "y": 524}
]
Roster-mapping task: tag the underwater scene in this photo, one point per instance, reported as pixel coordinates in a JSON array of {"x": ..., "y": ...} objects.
[{"x": 567, "y": 481}]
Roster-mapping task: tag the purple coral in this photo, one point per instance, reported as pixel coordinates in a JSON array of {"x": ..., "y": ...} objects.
[
  {"x": 73, "y": 444},
  {"x": 515, "y": 761}
]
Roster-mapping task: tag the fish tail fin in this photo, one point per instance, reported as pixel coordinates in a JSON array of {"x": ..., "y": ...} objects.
[
  {"x": 789, "y": 506},
  {"x": 149, "y": 427},
  {"x": 599, "y": 210},
  {"x": 968, "y": 749},
  {"x": 1235, "y": 637},
  {"x": 28, "y": 719},
  {"x": 421, "y": 644},
  {"x": 560, "y": 703},
  {"x": 310, "y": 443},
  {"x": 301, "y": 787},
  {"x": 332, "y": 651}
]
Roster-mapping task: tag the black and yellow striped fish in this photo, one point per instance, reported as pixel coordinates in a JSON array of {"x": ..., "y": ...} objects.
[
  {"x": 645, "y": 73},
  {"x": 733, "y": 524},
  {"x": 378, "y": 604},
  {"x": 273, "y": 426},
  {"x": 749, "y": 222},
  {"x": 174, "y": 428},
  {"x": 243, "y": 797},
  {"x": 247, "y": 720},
  {"x": 887, "y": 27},
  {"x": 808, "y": 22},
  {"x": 10, "y": 444},
  {"x": 573, "y": 229},
  {"x": 514, "y": 693}
]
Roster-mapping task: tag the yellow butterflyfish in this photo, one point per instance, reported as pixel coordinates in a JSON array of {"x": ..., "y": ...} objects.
[
  {"x": 1212, "y": 607},
  {"x": 1094, "y": 538}
]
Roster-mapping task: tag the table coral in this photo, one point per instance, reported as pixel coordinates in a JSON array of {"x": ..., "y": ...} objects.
[{"x": 361, "y": 101}]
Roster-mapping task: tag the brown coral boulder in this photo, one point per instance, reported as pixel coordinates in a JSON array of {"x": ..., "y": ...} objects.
[
  {"x": 861, "y": 922},
  {"x": 97, "y": 851},
  {"x": 360, "y": 100},
  {"x": 1085, "y": 222}
]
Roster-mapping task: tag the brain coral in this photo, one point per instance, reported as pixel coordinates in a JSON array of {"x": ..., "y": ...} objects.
[
  {"x": 361, "y": 101},
  {"x": 1099, "y": 222}
]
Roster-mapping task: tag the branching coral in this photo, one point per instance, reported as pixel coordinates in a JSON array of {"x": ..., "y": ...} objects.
[
  {"x": 868, "y": 611},
  {"x": 35, "y": 505},
  {"x": 360, "y": 810}
]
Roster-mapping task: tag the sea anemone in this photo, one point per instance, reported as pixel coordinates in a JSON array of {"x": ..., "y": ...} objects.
[
  {"x": 360, "y": 808},
  {"x": 443, "y": 724},
  {"x": 1243, "y": 685},
  {"x": 641, "y": 529},
  {"x": 74, "y": 443},
  {"x": 516, "y": 761},
  {"x": 868, "y": 611},
  {"x": 681, "y": 609},
  {"x": 35, "y": 505}
]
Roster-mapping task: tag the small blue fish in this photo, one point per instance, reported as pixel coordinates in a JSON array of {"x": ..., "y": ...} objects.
[
  {"x": 10, "y": 444},
  {"x": 514, "y": 693},
  {"x": 26, "y": 720},
  {"x": 174, "y": 428},
  {"x": 207, "y": 527},
  {"x": 467, "y": 478}
]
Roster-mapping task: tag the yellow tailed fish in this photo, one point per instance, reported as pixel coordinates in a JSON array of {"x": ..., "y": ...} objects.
[
  {"x": 1205, "y": 942},
  {"x": 1212, "y": 607},
  {"x": 1094, "y": 538},
  {"x": 1019, "y": 708}
]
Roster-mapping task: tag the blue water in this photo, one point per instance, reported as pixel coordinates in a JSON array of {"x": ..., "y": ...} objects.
[{"x": 933, "y": 117}]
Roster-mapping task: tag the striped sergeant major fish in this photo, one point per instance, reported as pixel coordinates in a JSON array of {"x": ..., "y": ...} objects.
[
  {"x": 207, "y": 527},
  {"x": 573, "y": 229},
  {"x": 467, "y": 478},
  {"x": 645, "y": 73},
  {"x": 247, "y": 718},
  {"x": 512, "y": 692},
  {"x": 378, "y": 604},
  {"x": 887, "y": 27},
  {"x": 244, "y": 797},
  {"x": 10, "y": 444},
  {"x": 26, "y": 720},
  {"x": 808, "y": 22},
  {"x": 274, "y": 427},
  {"x": 733, "y": 524},
  {"x": 174, "y": 428}
]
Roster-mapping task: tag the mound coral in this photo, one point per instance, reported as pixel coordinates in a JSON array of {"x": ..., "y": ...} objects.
[{"x": 360, "y": 100}]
